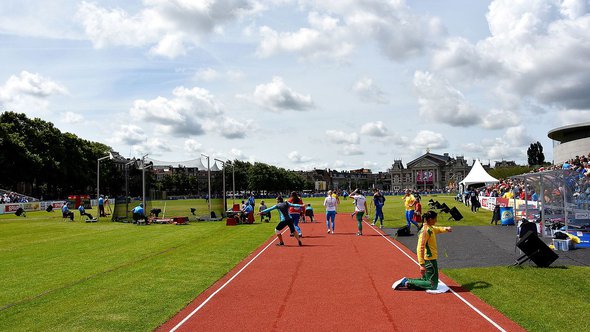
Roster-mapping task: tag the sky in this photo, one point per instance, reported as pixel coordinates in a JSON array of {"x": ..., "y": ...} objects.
[{"x": 301, "y": 84}]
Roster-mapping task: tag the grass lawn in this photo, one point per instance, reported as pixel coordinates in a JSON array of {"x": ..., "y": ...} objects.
[{"x": 109, "y": 276}]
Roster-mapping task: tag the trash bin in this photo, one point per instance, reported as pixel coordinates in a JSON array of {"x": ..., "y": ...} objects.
[{"x": 507, "y": 215}]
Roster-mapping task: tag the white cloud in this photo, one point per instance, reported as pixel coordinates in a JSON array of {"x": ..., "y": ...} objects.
[
  {"x": 297, "y": 158},
  {"x": 276, "y": 96},
  {"x": 192, "y": 146},
  {"x": 129, "y": 135},
  {"x": 511, "y": 146},
  {"x": 429, "y": 139},
  {"x": 574, "y": 117},
  {"x": 524, "y": 56},
  {"x": 497, "y": 119},
  {"x": 398, "y": 32},
  {"x": 71, "y": 117},
  {"x": 325, "y": 38},
  {"x": 340, "y": 137},
  {"x": 170, "y": 27},
  {"x": 366, "y": 89},
  {"x": 29, "y": 93},
  {"x": 352, "y": 150},
  {"x": 230, "y": 128},
  {"x": 30, "y": 84},
  {"x": 441, "y": 102},
  {"x": 376, "y": 129},
  {"x": 238, "y": 154},
  {"x": 182, "y": 115}
]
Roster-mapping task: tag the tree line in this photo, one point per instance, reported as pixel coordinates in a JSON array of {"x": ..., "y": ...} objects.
[{"x": 38, "y": 160}]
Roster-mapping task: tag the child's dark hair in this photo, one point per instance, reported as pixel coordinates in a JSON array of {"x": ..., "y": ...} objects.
[
  {"x": 429, "y": 215},
  {"x": 279, "y": 198}
]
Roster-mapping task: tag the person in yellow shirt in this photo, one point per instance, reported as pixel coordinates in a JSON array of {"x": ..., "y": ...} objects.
[
  {"x": 409, "y": 204},
  {"x": 427, "y": 253}
]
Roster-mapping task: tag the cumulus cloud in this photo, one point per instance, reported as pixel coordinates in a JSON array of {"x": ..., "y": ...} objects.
[
  {"x": 497, "y": 119},
  {"x": 129, "y": 135},
  {"x": 30, "y": 84},
  {"x": 524, "y": 55},
  {"x": 276, "y": 96},
  {"x": 170, "y": 28},
  {"x": 29, "y": 93},
  {"x": 325, "y": 38},
  {"x": 340, "y": 137},
  {"x": 397, "y": 31},
  {"x": 376, "y": 129},
  {"x": 429, "y": 139},
  {"x": 297, "y": 157},
  {"x": 368, "y": 91},
  {"x": 192, "y": 146},
  {"x": 512, "y": 145},
  {"x": 440, "y": 102},
  {"x": 229, "y": 127},
  {"x": 181, "y": 115}
]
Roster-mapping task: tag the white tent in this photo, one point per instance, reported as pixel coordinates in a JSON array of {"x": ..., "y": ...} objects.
[{"x": 478, "y": 175}]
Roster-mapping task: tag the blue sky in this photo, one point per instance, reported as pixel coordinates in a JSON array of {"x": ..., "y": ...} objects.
[{"x": 301, "y": 84}]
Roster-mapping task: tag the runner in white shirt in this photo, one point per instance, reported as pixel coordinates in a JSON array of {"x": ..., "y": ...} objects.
[
  {"x": 360, "y": 207},
  {"x": 330, "y": 203}
]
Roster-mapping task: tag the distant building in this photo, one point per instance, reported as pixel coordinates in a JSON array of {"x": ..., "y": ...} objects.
[
  {"x": 570, "y": 141},
  {"x": 427, "y": 172},
  {"x": 430, "y": 171},
  {"x": 504, "y": 163}
]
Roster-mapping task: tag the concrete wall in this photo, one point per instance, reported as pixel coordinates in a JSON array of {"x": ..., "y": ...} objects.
[{"x": 569, "y": 150}]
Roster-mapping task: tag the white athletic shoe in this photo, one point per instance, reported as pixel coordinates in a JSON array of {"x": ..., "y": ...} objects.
[{"x": 399, "y": 283}]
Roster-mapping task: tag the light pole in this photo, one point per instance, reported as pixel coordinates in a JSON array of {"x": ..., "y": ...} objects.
[
  {"x": 127, "y": 186},
  {"x": 209, "y": 183},
  {"x": 223, "y": 181},
  {"x": 143, "y": 180},
  {"x": 233, "y": 180},
  {"x": 110, "y": 156}
]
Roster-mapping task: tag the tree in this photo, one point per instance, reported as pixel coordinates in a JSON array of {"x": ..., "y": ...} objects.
[{"x": 535, "y": 154}]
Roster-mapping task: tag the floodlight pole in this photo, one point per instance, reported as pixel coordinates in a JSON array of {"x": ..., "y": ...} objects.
[
  {"x": 223, "y": 181},
  {"x": 110, "y": 156},
  {"x": 127, "y": 186},
  {"x": 209, "y": 182},
  {"x": 143, "y": 180},
  {"x": 233, "y": 179}
]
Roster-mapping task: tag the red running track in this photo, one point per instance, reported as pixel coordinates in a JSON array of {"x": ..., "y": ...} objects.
[{"x": 335, "y": 282}]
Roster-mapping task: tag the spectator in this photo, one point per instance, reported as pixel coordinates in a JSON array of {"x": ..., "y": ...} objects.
[
  {"x": 66, "y": 213},
  {"x": 83, "y": 211},
  {"x": 138, "y": 214}
]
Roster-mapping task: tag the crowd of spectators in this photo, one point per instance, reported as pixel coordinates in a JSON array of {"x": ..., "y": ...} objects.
[
  {"x": 578, "y": 179},
  {"x": 12, "y": 197}
]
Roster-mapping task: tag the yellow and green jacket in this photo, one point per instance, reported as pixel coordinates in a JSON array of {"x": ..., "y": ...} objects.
[{"x": 427, "y": 249}]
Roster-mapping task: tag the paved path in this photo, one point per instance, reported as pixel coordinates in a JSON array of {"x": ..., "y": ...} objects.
[{"x": 334, "y": 282}]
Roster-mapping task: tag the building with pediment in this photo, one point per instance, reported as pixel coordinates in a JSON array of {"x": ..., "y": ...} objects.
[{"x": 427, "y": 172}]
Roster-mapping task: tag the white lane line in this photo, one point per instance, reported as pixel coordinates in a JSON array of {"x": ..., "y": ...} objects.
[
  {"x": 222, "y": 287},
  {"x": 496, "y": 325}
]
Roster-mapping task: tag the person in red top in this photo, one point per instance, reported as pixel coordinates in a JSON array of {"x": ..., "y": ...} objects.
[
  {"x": 295, "y": 212},
  {"x": 418, "y": 212}
]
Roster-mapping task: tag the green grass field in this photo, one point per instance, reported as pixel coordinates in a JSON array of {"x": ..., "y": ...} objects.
[{"x": 106, "y": 276}]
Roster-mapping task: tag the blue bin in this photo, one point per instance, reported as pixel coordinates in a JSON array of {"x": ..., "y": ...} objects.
[{"x": 507, "y": 215}]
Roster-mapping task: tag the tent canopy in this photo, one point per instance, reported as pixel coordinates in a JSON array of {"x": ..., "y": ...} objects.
[{"x": 478, "y": 175}]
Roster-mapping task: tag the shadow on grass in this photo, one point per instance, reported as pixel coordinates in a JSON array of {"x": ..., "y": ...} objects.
[{"x": 471, "y": 286}]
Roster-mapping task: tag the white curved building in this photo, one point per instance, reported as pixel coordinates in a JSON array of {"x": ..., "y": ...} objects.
[{"x": 570, "y": 141}]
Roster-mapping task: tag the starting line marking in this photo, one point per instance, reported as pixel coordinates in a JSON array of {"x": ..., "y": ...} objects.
[
  {"x": 222, "y": 287},
  {"x": 496, "y": 325}
]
